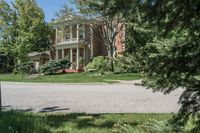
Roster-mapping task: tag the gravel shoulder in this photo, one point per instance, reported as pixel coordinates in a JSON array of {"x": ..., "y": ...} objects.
[{"x": 87, "y": 98}]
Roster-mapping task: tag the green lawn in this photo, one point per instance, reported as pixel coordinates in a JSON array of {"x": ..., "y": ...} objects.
[
  {"x": 11, "y": 122},
  {"x": 71, "y": 78}
]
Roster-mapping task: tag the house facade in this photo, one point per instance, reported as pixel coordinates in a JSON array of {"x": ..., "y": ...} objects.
[{"x": 78, "y": 41}]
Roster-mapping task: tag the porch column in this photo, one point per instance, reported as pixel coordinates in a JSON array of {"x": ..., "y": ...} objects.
[
  {"x": 77, "y": 27},
  {"x": 62, "y": 35},
  {"x": 77, "y": 58},
  {"x": 63, "y": 56},
  {"x": 71, "y": 57},
  {"x": 84, "y": 56},
  {"x": 56, "y": 54},
  {"x": 71, "y": 34},
  {"x": 83, "y": 31},
  {"x": 56, "y": 34}
]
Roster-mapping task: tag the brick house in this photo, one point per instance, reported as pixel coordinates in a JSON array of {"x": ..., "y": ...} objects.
[{"x": 75, "y": 39}]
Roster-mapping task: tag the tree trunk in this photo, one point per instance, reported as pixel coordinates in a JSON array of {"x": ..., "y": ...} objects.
[{"x": 110, "y": 55}]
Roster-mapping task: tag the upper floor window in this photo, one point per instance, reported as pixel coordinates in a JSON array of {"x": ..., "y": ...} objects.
[
  {"x": 67, "y": 32},
  {"x": 59, "y": 35},
  {"x": 81, "y": 32},
  {"x": 74, "y": 31}
]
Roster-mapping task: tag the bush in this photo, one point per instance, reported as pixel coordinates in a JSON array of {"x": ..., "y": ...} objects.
[
  {"x": 99, "y": 64},
  {"x": 154, "y": 126},
  {"x": 54, "y": 66},
  {"x": 26, "y": 68},
  {"x": 122, "y": 128},
  {"x": 125, "y": 64}
]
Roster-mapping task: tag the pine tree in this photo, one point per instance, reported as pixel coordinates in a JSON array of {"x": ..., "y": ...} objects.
[{"x": 171, "y": 58}]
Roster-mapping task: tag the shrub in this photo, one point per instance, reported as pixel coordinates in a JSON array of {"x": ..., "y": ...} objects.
[
  {"x": 26, "y": 68},
  {"x": 99, "y": 64},
  {"x": 154, "y": 126},
  {"x": 54, "y": 66},
  {"x": 125, "y": 64},
  {"x": 122, "y": 128}
]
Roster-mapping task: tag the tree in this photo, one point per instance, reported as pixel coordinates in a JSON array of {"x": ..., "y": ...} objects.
[
  {"x": 23, "y": 29},
  {"x": 171, "y": 58},
  {"x": 104, "y": 26},
  {"x": 7, "y": 33},
  {"x": 107, "y": 26},
  {"x": 174, "y": 58},
  {"x": 33, "y": 32}
]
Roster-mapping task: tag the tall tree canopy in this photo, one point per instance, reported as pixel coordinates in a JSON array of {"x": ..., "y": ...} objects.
[
  {"x": 23, "y": 28},
  {"x": 107, "y": 27},
  {"x": 7, "y": 32},
  {"x": 171, "y": 56}
]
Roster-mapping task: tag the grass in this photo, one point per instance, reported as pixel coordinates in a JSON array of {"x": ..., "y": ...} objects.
[
  {"x": 20, "y": 122},
  {"x": 71, "y": 78}
]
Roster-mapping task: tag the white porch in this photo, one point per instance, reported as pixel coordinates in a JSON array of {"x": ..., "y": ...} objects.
[{"x": 74, "y": 52}]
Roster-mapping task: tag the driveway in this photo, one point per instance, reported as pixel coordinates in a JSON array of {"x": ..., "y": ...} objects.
[{"x": 87, "y": 98}]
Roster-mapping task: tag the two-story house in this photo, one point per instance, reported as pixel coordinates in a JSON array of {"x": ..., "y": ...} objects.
[{"x": 77, "y": 40}]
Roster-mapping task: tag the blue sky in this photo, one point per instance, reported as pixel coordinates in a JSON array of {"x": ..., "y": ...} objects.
[{"x": 50, "y": 7}]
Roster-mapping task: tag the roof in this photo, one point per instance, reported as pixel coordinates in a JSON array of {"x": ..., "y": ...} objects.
[
  {"x": 70, "y": 19},
  {"x": 37, "y": 53}
]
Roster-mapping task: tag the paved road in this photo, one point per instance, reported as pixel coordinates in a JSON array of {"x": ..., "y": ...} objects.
[{"x": 94, "y": 98}]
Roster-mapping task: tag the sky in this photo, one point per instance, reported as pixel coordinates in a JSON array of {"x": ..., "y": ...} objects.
[{"x": 50, "y": 7}]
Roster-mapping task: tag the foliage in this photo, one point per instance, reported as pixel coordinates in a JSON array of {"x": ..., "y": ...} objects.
[
  {"x": 7, "y": 33},
  {"x": 155, "y": 126},
  {"x": 26, "y": 68},
  {"x": 33, "y": 32},
  {"x": 99, "y": 64},
  {"x": 23, "y": 29},
  {"x": 120, "y": 127},
  {"x": 105, "y": 27},
  {"x": 19, "y": 122},
  {"x": 125, "y": 64},
  {"x": 171, "y": 55},
  {"x": 55, "y": 66}
]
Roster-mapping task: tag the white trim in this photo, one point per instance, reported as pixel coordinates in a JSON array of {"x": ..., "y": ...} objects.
[
  {"x": 77, "y": 32},
  {"x": 77, "y": 58},
  {"x": 56, "y": 34},
  {"x": 84, "y": 29},
  {"x": 71, "y": 35},
  {"x": 71, "y": 57},
  {"x": 63, "y": 56},
  {"x": 91, "y": 43}
]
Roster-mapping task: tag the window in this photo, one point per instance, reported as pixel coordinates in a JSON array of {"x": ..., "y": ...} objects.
[
  {"x": 60, "y": 54},
  {"x": 74, "y": 31},
  {"x": 81, "y": 32},
  {"x": 59, "y": 35},
  {"x": 67, "y": 33},
  {"x": 66, "y": 52}
]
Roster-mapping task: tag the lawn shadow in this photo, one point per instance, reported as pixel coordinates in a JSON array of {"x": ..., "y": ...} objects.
[{"x": 83, "y": 121}]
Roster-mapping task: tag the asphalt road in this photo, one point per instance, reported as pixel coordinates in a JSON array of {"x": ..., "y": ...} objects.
[{"x": 87, "y": 98}]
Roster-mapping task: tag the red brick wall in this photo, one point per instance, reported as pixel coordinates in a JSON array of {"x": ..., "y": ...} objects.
[{"x": 119, "y": 42}]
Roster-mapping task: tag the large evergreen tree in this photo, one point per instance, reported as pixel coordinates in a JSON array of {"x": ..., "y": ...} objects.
[{"x": 171, "y": 58}]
